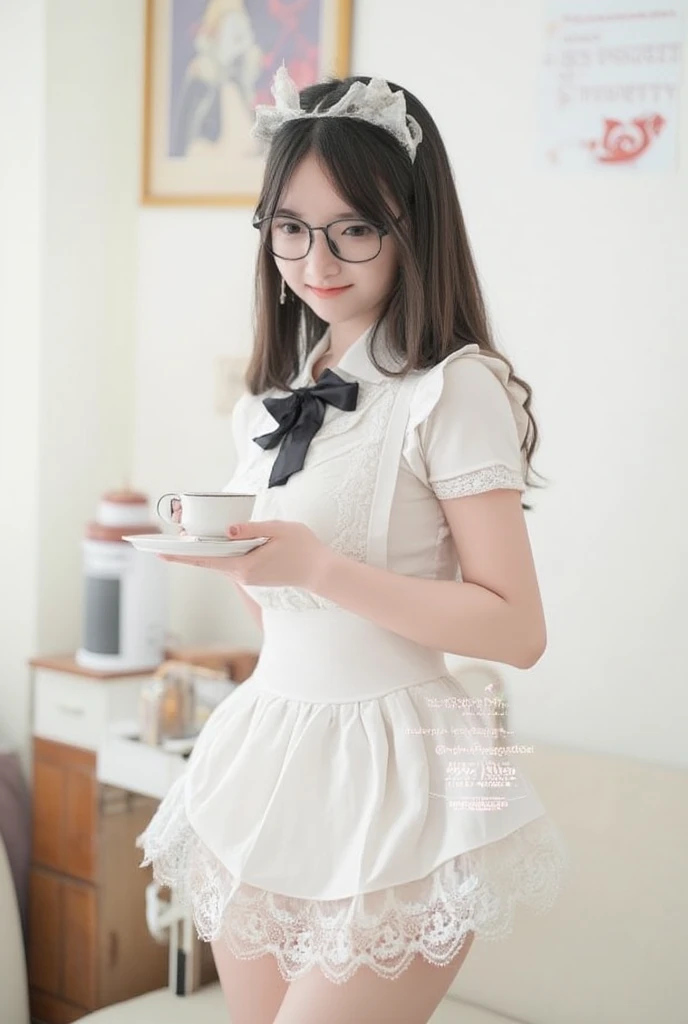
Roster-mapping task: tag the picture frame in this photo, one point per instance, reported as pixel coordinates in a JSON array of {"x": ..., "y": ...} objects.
[{"x": 207, "y": 64}]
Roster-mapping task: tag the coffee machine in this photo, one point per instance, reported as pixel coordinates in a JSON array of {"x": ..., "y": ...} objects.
[{"x": 125, "y": 596}]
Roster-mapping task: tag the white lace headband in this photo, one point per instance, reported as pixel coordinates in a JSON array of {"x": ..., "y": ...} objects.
[{"x": 375, "y": 103}]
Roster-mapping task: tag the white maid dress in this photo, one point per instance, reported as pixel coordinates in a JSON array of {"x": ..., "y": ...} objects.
[{"x": 326, "y": 816}]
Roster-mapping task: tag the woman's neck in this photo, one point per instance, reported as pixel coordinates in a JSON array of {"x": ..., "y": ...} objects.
[{"x": 343, "y": 336}]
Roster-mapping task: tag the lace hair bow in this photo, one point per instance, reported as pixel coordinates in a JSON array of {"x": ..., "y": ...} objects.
[{"x": 375, "y": 103}]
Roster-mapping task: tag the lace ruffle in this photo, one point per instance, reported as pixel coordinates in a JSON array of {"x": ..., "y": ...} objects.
[
  {"x": 488, "y": 478},
  {"x": 374, "y": 102},
  {"x": 383, "y": 930}
]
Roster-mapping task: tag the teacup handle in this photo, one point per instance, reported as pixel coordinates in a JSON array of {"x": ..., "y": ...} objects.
[{"x": 164, "y": 514}]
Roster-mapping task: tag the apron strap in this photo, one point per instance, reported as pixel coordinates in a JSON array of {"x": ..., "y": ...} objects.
[{"x": 388, "y": 472}]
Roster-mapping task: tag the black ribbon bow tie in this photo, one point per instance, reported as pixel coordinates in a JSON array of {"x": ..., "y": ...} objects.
[{"x": 300, "y": 416}]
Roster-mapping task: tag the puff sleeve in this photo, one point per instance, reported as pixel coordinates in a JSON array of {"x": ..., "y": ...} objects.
[{"x": 466, "y": 426}]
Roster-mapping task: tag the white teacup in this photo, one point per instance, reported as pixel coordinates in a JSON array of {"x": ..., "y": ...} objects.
[{"x": 205, "y": 513}]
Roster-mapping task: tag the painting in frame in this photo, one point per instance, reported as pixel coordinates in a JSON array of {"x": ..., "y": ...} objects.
[{"x": 208, "y": 64}]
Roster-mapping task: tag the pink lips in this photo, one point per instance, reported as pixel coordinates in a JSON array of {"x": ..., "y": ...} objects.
[{"x": 328, "y": 293}]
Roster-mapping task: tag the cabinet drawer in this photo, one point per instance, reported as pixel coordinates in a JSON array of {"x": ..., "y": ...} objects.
[
  {"x": 68, "y": 710},
  {"x": 77, "y": 711}
]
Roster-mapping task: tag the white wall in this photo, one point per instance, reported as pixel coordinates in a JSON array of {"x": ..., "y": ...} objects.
[
  {"x": 70, "y": 98},
  {"x": 22, "y": 177},
  {"x": 104, "y": 373},
  {"x": 195, "y": 278},
  {"x": 582, "y": 275},
  {"x": 92, "y": 154}
]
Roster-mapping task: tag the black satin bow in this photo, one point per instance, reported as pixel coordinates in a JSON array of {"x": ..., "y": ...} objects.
[{"x": 300, "y": 416}]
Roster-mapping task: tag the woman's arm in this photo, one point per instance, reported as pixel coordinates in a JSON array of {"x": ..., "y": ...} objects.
[{"x": 494, "y": 614}]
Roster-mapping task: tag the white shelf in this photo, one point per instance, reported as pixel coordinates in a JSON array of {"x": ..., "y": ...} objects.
[{"x": 126, "y": 762}]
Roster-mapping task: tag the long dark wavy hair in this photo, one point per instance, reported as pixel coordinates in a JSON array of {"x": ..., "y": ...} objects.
[{"x": 435, "y": 306}]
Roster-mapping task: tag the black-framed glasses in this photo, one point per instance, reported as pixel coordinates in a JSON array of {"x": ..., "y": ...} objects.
[{"x": 350, "y": 240}]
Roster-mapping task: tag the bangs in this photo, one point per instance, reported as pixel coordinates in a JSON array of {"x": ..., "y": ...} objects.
[{"x": 360, "y": 159}]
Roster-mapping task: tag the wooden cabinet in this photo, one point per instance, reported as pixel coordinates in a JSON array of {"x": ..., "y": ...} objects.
[{"x": 89, "y": 944}]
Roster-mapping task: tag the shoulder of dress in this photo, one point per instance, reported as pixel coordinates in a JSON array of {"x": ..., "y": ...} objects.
[{"x": 462, "y": 366}]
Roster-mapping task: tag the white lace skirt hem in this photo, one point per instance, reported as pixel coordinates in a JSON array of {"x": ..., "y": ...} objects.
[{"x": 476, "y": 891}]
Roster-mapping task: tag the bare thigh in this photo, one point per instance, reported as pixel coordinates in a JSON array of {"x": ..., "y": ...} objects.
[
  {"x": 367, "y": 998},
  {"x": 253, "y": 989}
]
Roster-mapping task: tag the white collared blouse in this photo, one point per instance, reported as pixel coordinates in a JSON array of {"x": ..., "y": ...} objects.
[{"x": 464, "y": 434}]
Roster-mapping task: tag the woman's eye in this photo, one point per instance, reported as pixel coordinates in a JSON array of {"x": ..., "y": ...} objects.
[
  {"x": 359, "y": 230},
  {"x": 288, "y": 227}
]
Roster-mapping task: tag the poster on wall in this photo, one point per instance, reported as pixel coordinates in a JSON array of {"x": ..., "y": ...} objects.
[
  {"x": 208, "y": 64},
  {"x": 610, "y": 85}
]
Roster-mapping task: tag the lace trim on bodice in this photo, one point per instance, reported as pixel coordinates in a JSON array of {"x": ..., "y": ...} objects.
[{"x": 352, "y": 498}]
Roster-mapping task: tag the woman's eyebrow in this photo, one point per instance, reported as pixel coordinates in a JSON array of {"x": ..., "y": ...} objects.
[{"x": 284, "y": 211}]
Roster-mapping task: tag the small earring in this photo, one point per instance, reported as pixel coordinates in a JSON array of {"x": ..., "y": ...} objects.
[{"x": 283, "y": 293}]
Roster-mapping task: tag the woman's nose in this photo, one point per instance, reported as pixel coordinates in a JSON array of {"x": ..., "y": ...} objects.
[{"x": 321, "y": 260}]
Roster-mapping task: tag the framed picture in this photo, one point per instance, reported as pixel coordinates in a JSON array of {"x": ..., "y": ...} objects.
[{"x": 208, "y": 64}]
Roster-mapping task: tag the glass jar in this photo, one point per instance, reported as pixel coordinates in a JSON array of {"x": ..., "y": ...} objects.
[{"x": 167, "y": 708}]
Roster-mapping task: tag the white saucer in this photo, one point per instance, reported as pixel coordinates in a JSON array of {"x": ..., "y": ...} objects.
[{"x": 169, "y": 544}]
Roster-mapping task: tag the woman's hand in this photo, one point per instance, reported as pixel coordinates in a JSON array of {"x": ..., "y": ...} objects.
[{"x": 291, "y": 557}]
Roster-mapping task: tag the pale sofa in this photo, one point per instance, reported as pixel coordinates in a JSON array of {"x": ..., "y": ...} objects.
[{"x": 613, "y": 950}]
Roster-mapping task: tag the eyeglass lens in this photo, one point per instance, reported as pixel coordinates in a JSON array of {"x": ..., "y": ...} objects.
[{"x": 352, "y": 240}]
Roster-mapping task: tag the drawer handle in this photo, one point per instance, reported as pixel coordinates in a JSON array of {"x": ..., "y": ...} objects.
[
  {"x": 70, "y": 709},
  {"x": 113, "y": 949}
]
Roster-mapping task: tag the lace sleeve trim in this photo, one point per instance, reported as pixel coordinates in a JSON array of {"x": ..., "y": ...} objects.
[{"x": 489, "y": 478}]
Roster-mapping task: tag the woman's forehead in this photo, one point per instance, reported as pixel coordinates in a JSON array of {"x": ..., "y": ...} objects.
[
  {"x": 311, "y": 194},
  {"x": 311, "y": 189}
]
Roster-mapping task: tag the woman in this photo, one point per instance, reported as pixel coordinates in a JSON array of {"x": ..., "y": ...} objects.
[{"x": 349, "y": 822}]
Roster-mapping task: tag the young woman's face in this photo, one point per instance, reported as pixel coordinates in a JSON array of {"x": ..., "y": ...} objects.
[{"x": 348, "y": 295}]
